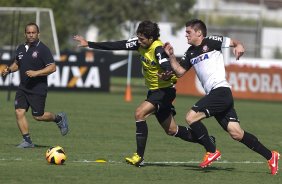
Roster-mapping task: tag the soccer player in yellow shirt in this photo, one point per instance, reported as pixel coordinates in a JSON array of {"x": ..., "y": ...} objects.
[{"x": 161, "y": 92}]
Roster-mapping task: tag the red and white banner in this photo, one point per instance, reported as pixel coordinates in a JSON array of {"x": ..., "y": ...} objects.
[{"x": 247, "y": 83}]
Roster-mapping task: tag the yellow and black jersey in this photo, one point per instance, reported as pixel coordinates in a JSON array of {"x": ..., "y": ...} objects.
[{"x": 154, "y": 60}]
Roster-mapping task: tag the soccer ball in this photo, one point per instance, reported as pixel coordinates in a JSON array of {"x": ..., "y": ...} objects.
[{"x": 56, "y": 155}]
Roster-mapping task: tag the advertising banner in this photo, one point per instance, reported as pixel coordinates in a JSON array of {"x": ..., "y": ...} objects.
[
  {"x": 68, "y": 76},
  {"x": 247, "y": 83}
]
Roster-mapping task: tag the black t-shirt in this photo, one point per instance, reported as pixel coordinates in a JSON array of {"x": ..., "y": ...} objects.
[{"x": 36, "y": 57}]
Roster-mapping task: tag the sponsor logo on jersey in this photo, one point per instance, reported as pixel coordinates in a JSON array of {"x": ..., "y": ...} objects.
[
  {"x": 131, "y": 44},
  {"x": 205, "y": 48},
  {"x": 217, "y": 38},
  {"x": 199, "y": 59},
  {"x": 153, "y": 63},
  {"x": 184, "y": 56},
  {"x": 20, "y": 55},
  {"x": 143, "y": 59},
  {"x": 34, "y": 54}
]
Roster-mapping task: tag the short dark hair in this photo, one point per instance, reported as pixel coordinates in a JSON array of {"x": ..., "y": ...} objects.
[
  {"x": 149, "y": 29},
  {"x": 32, "y": 24},
  {"x": 197, "y": 24}
]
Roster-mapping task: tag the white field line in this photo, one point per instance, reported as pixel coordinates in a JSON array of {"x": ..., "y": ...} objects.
[
  {"x": 159, "y": 162},
  {"x": 177, "y": 162}
]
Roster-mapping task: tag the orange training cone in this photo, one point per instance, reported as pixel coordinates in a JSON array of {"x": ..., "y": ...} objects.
[{"x": 128, "y": 97}]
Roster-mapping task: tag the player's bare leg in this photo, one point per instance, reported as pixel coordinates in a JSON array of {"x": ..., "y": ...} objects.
[
  {"x": 22, "y": 121},
  {"x": 47, "y": 116},
  {"x": 60, "y": 119},
  {"x": 23, "y": 126},
  {"x": 144, "y": 110}
]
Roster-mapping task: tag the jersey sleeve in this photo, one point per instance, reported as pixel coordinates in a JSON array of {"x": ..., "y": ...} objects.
[
  {"x": 18, "y": 54},
  {"x": 16, "y": 57},
  {"x": 162, "y": 58},
  {"x": 47, "y": 56},
  {"x": 130, "y": 44},
  {"x": 226, "y": 42},
  {"x": 218, "y": 42},
  {"x": 185, "y": 61}
]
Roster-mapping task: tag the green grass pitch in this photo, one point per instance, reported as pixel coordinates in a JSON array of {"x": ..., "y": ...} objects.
[{"x": 102, "y": 127}]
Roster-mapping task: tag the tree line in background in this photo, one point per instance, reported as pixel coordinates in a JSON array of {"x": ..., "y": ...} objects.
[{"x": 110, "y": 17}]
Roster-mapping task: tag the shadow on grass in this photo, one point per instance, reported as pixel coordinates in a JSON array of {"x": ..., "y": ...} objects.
[
  {"x": 190, "y": 167},
  {"x": 41, "y": 146},
  {"x": 205, "y": 170},
  {"x": 35, "y": 146}
]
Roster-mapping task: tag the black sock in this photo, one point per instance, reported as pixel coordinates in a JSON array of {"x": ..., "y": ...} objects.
[
  {"x": 253, "y": 143},
  {"x": 141, "y": 137},
  {"x": 27, "y": 138},
  {"x": 185, "y": 134},
  {"x": 57, "y": 118},
  {"x": 201, "y": 133}
]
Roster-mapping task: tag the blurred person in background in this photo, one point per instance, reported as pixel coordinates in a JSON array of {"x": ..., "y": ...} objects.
[{"x": 34, "y": 62}]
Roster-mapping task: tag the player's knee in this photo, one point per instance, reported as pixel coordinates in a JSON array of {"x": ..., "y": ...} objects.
[
  {"x": 20, "y": 112},
  {"x": 171, "y": 131},
  {"x": 38, "y": 118},
  {"x": 236, "y": 135},
  {"x": 235, "y": 131},
  {"x": 193, "y": 116},
  {"x": 189, "y": 119},
  {"x": 139, "y": 114}
]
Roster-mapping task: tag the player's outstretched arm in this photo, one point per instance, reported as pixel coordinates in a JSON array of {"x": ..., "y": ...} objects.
[
  {"x": 81, "y": 41},
  {"x": 131, "y": 44}
]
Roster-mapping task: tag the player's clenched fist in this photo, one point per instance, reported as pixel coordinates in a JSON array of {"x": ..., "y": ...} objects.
[{"x": 6, "y": 71}]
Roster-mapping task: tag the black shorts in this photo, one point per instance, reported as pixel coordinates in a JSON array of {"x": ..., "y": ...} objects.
[
  {"x": 220, "y": 104},
  {"x": 162, "y": 100},
  {"x": 24, "y": 100}
]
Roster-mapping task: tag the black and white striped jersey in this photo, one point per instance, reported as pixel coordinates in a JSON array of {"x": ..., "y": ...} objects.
[{"x": 208, "y": 63}]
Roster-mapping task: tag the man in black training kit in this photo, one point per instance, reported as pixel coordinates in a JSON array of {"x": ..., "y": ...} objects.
[
  {"x": 205, "y": 56},
  {"x": 161, "y": 93},
  {"x": 34, "y": 62}
]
